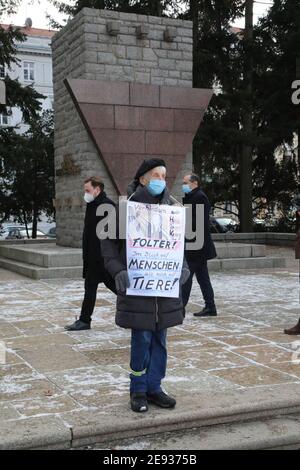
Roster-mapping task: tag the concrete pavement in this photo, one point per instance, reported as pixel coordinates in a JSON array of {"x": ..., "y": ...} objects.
[{"x": 63, "y": 390}]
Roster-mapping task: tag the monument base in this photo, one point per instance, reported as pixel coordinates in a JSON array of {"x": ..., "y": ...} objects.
[{"x": 51, "y": 261}]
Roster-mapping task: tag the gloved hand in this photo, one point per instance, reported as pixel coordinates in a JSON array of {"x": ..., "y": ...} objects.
[
  {"x": 185, "y": 274},
  {"x": 122, "y": 281}
]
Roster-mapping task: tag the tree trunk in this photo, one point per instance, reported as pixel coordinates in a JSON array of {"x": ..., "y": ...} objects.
[
  {"x": 246, "y": 214},
  {"x": 194, "y": 17},
  {"x": 34, "y": 221},
  {"x": 26, "y": 224},
  {"x": 35, "y": 201},
  {"x": 156, "y": 8}
]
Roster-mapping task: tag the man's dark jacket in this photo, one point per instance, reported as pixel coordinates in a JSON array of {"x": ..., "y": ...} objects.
[
  {"x": 208, "y": 251},
  {"x": 93, "y": 265},
  {"x": 137, "y": 312}
]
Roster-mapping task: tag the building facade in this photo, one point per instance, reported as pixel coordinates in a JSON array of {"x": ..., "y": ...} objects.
[{"x": 34, "y": 67}]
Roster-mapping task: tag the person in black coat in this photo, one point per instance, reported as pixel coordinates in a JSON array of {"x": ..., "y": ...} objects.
[
  {"x": 93, "y": 265},
  {"x": 147, "y": 317},
  {"x": 197, "y": 259}
]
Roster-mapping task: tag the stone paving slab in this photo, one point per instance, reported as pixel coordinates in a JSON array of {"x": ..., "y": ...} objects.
[
  {"x": 220, "y": 369},
  {"x": 35, "y": 433}
]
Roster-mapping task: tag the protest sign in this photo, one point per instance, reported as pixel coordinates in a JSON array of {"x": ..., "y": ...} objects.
[{"x": 155, "y": 248}]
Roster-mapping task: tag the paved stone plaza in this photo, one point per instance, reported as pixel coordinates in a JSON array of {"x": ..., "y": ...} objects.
[{"x": 54, "y": 381}]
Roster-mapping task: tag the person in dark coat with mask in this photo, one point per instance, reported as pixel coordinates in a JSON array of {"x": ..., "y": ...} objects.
[
  {"x": 147, "y": 317},
  {"x": 93, "y": 265},
  {"x": 197, "y": 259}
]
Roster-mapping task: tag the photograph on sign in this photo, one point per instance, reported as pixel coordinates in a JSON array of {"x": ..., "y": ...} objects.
[{"x": 155, "y": 246}]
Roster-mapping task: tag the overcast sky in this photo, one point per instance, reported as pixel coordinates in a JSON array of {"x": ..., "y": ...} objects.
[{"x": 38, "y": 9}]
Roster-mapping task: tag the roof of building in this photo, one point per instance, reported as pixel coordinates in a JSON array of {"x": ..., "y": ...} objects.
[
  {"x": 236, "y": 30},
  {"x": 33, "y": 32}
]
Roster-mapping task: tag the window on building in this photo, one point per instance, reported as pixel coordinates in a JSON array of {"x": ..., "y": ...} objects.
[
  {"x": 4, "y": 119},
  {"x": 2, "y": 71},
  {"x": 28, "y": 70}
]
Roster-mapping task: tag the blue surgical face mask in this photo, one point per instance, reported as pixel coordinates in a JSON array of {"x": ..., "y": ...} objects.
[
  {"x": 156, "y": 187},
  {"x": 186, "y": 188}
]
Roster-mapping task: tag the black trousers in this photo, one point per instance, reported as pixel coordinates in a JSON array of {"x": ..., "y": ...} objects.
[
  {"x": 90, "y": 295},
  {"x": 202, "y": 276}
]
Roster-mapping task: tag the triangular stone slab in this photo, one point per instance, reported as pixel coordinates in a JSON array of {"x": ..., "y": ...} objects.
[{"x": 129, "y": 122}]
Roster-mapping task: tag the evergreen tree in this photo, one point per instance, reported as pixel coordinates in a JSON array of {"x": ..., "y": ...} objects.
[
  {"x": 25, "y": 98},
  {"x": 218, "y": 64},
  {"x": 277, "y": 119},
  {"x": 27, "y": 171},
  {"x": 219, "y": 54},
  {"x": 142, "y": 7}
]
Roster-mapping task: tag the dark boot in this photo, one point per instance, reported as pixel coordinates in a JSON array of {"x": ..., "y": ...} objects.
[
  {"x": 207, "y": 312},
  {"x": 138, "y": 402},
  {"x": 161, "y": 399},
  {"x": 78, "y": 325},
  {"x": 295, "y": 330}
]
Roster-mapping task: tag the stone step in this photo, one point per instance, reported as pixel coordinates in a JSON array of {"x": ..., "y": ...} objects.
[
  {"x": 54, "y": 256},
  {"x": 74, "y": 272},
  {"x": 258, "y": 417},
  {"x": 254, "y": 418},
  {"x": 239, "y": 250},
  {"x": 246, "y": 263},
  {"x": 280, "y": 433},
  {"x": 43, "y": 255},
  {"x": 36, "y": 272}
]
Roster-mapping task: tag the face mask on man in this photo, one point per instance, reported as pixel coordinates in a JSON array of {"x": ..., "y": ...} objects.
[
  {"x": 186, "y": 188},
  {"x": 88, "y": 197},
  {"x": 156, "y": 187}
]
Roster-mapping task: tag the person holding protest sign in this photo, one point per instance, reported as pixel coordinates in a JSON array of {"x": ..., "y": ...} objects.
[
  {"x": 149, "y": 309},
  {"x": 197, "y": 259},
  {"x": 93, "y": 267}
]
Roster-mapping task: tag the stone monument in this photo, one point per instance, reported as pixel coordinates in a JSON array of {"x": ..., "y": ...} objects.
[{"x": 122, "y": 92}]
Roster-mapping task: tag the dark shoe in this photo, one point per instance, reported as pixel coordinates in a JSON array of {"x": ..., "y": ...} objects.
[
  {"x": 293, "y": 331},
  {"x": 78, "y": 325},
  {"x": 161, "y": 399},
  {"x": 206, "y": 312},
  {"x": 138, "y": 402}
]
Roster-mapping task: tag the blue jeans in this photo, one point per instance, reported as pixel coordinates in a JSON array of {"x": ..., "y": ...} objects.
[{"x": 148, "y": 361}]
